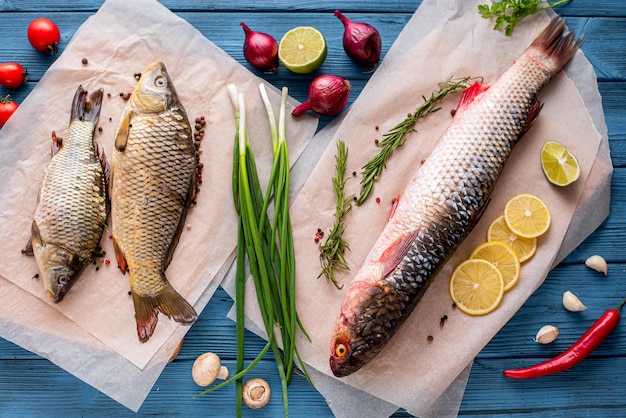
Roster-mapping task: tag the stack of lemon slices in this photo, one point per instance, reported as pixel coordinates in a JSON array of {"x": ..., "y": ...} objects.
[{"x": 478, "y": 284}]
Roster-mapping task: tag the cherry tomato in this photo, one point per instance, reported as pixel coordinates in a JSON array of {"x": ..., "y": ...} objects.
[
  {"x": 7, "y": 107},
  {"x": 44, "y": 35},
  {"x": 12, "y": 75}
]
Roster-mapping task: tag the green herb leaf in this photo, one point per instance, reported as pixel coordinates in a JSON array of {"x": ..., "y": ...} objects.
[
  {"x": 396, "y": 137},
  {"x": 333, "y": 250},
  {"x": 511, "y": 12}
]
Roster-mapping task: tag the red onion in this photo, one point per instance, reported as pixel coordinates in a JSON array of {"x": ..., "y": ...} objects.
[
  {"x": 260, "y": 50},
  {"x": 361, "y": 41},
  {"x": 328, "y": 95}
]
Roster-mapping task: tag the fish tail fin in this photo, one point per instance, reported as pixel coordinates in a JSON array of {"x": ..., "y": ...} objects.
[
  {"x": 556, "y": 45},
  {"x": 168, "y": 301},
  {"x": 86, "y": 108}
]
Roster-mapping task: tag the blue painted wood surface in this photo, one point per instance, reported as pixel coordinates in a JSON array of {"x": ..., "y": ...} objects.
[{"x": 32, "y": 386}]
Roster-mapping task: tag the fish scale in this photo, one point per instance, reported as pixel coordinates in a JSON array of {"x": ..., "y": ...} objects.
[
  {"x": 153, "y": 180},
  {"x": 63, "y": 196},
  {"x": 71, "y": 208},
  {"x": 443, "y": 201}
]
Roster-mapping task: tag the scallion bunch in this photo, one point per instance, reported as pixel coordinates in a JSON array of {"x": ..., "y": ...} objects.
[{"x": 267, "y": 244}]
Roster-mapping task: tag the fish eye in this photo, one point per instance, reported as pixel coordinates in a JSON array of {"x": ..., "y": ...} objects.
[
  {"x": 341, "y": 350},
  {"x": 160, "y": 81},
  {"x": 63, "y": 279}
]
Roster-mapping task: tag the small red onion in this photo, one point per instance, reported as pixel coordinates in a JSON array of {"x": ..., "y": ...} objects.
[
  {"x": 361, "y": 41},
  {"x": 328, "y": 95},
  {"x": 260, "y": 50}
]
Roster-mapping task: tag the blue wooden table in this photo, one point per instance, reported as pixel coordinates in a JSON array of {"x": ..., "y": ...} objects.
[{"x": 32, "y": 386}]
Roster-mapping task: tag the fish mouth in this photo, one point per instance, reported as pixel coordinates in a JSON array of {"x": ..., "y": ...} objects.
[{"x": 55, "y": 297}]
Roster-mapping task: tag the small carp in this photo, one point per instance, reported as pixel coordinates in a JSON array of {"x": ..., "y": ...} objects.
[
  {"x": 153, "y": 174},
  {"x": 72, "y": 206},
  {"x": 443, "y": 201}
]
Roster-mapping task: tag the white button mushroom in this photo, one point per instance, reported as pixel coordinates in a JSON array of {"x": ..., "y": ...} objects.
[
  {"x": 256, "y": 393},
  {"x": 207, "y": 368}
]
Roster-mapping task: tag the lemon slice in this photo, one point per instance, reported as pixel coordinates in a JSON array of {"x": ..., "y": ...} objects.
[
  {"x": 302, "y": 49},
  {"x": 524, "y": 248},
  {"x": 559, "y": 165},
  {"x": 502, "y": 257},
  {"x": 527, "y": 216},
  {"x": 476, "y": 286}
]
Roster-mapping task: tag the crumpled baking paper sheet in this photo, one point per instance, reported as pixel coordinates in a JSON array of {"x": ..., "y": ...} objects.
[
  {"x": 443, "y": 39},
  {"x": 93, "y": 329}
]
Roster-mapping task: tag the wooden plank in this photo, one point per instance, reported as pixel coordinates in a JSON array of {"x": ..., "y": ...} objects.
[{"x": 573, "y": 8}]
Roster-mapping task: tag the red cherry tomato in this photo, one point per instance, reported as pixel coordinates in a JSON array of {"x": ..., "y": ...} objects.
[
  {"x": 44, "y": 35},
  {"x": 7, "y": 107},
  {"x": 12, "y": 75}
]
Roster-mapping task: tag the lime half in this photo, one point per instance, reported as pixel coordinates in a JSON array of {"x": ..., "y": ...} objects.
[{"x": 302, "y": 49}]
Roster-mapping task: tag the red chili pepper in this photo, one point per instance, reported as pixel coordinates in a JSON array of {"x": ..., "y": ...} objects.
[{"x": 577, "y": 352}]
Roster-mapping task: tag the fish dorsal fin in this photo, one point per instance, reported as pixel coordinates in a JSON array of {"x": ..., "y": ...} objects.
[
  {"x": 469, "y": 94},
  {"x": 56, "y": 145},
  {"x": 121, "y": 138},
  {"x": 120, "y": 257},
  {"x": 533, "y": 113},
  {"x": 391, "y": 257}
]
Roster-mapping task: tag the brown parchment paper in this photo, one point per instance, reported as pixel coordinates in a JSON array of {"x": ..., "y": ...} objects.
[
  {"x": 443, "y": 39},
  {"x": 121, "y": 39}
]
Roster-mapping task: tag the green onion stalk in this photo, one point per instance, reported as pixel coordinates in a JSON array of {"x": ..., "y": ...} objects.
[{"x": 267, "y": 244}]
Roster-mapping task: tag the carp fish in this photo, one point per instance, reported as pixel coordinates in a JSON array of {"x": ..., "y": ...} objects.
[
  {"x": 443, "y": 200},
  {"x": 71, "y": 208},
  {"x": 153, "y": 175}
]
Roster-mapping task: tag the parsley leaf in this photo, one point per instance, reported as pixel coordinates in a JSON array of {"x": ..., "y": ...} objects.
[{"x": 510, "y": 12}]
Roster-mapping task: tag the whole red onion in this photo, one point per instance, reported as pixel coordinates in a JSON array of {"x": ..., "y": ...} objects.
[
  {"x": 260, "y": 50},
  {"x": 328, "y": 95},
  {"x": 361, "y": 41}
]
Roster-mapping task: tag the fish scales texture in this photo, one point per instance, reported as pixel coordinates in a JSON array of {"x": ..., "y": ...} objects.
[
  {"x": 153, "y": 179},
  {"x": 155, "y": 198},
  {"x": 73, "y": 189},
  {"x": 71, "y": 211},
  {"x": 443, "y": 201}
]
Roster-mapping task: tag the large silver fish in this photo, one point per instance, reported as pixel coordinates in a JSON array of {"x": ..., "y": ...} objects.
[
  {"x": 443, "y": 201},
  {"x": 71, "y": 207},
  {"x": 153, "y": 174}
]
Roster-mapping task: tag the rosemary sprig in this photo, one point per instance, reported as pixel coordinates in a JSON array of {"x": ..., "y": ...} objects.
[
  {"x": 396, "y": 137},
  {"x": 332, "y": 251}
]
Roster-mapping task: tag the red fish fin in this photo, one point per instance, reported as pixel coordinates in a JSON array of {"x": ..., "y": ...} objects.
[
  {"x": 556, "y": 44},
  {"x": 168, "y": 301},
  {"x": 121, "y": 137},
  {"x": 57, "y": 144},
  {"x": 477, "y": 215},
  {"x": 469, "y": 94},
  {"x": 394, "y": 207},
  {"x": 120, "y": 257},
  {"x": 391, "y": 257},
  {"x": 533, "y": 113}
]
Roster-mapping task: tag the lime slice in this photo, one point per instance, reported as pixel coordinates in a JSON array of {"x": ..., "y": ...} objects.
[
  {"x": 302, "y": 49},
  {"x": 559, "y": 165}
]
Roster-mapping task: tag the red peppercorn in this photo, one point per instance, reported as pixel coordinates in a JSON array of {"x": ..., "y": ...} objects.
[
  {"x": 107, "y": 262},
  {"x": 378, "y": 200}
]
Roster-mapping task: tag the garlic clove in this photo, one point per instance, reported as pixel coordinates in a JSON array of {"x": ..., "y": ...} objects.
[
  {"x": 572, "y": 303},
  {"x": 547, "y": 334},
  {"x": 597, "y": 263}
]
